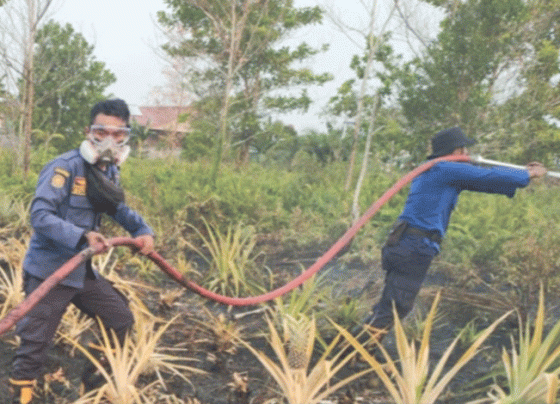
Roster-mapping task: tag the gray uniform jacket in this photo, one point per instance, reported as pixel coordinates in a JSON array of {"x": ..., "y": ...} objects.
[{"x": 61, "y": 214}]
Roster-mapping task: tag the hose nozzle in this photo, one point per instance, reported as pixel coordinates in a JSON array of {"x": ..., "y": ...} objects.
[{"x": 480, "y": 160}]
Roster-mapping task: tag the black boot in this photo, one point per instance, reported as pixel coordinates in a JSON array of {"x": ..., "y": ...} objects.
[{"x": 23, "y": 391}]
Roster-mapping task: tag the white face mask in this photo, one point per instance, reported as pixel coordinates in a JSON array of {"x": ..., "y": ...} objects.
[{"x": 105, "y": 151}]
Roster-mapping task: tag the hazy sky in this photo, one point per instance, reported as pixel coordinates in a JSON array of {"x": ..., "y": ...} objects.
[{"x": 124, "y": 34}]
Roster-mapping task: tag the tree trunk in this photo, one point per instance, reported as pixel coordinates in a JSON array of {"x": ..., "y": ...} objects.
[
  {"x": 371, "y": 130},
  {"x": 359, "y": 113},
  {"x": 28, "y": 114},
  {"x": 222, "y": 134},
  {"x": 373, "y": 45},
  {"x": 28, "y": 85}
]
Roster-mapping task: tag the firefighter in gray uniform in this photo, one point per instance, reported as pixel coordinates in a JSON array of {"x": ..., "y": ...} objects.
[{"x": 72, "y": 193}]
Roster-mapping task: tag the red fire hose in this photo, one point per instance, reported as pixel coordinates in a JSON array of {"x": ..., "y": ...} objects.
[{"x": 24, "y": 307}]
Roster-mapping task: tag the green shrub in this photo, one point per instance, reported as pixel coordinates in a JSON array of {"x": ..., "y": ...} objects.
[{"x": 509, "y": 243}]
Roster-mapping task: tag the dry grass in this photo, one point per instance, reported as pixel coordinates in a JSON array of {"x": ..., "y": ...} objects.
[
  {"x": 73, "y": 324},
  {"x": 298, "y": 380},
  {"x": 532, "y": 370},
  {"x": 107, "y": 265},
  {"x": 410, "y": 379},
  {"x": 14, "y": 213},
  {"x": 303, "y": 300},
  {"x": 231, "y": 259},
  {"x": 139, "y": 355},
  {"x": 223, "y": 333},
  {"x": 12, "y": 253}
]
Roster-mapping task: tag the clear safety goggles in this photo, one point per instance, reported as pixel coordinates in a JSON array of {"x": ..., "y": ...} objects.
[{"x": 119, "y": 134}]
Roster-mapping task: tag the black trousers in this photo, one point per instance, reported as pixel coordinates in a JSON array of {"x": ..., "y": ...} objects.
[
  {"x": 37, "y": 329},
  {"x": 406, "y": 265}
]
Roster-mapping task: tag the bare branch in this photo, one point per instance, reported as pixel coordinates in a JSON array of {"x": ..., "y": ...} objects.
[{"x": 409, "y": 27}]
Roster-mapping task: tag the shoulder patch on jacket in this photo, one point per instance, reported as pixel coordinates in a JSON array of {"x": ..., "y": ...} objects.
[
  {"x": 58, "y": 180},
  {"x": 79, "y": 186},
  {"x": 62, "y": 171}
]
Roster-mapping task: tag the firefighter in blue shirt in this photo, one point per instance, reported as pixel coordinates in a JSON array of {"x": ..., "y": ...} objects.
[
  {"x": 415, "y": 237},
  {"x": 72, "y": 193}
]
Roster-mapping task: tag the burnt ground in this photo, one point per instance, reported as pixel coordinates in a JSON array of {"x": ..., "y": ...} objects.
[{"x": 354, "y": 281}]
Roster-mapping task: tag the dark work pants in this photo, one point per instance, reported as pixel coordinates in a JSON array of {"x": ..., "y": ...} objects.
[
  {"x": 405, "y": 265},
  {"x": 38, "y": 327}
]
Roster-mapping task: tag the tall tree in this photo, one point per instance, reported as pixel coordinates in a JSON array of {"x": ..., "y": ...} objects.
[
  {"x": 231, "y": 45},
  {"x": 493, "y": 70},
  {"x": 524, "y": 122},
  {"x": 377, "y": 119},
  {"x": 68, "y": 81},
  {"x": 19, "y": 22},
  {"x": 454, "y": 81},
  {"x": 374, "y": 36}
]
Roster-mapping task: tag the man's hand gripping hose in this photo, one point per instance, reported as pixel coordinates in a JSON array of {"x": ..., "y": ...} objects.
[{"x": 23, "y": 308}]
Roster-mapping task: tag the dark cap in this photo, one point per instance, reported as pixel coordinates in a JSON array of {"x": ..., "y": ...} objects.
[{"x": 447, "y": 140}]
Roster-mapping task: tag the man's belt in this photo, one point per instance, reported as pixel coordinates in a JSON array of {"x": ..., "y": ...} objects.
[{"x": 432, "y": 235}]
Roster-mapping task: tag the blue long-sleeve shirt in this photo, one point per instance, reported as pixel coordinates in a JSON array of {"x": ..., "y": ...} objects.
[
  {"x": 61, "y": 214},
  {"x": 433, "y": 195}
]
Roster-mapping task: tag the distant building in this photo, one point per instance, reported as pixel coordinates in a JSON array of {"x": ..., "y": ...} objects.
[
  {"x": 167, "y": 126},
  {"x": 163, "y": 119}
]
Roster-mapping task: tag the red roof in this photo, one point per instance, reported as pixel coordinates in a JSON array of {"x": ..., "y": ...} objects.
[{"x": 163, "y": 118}]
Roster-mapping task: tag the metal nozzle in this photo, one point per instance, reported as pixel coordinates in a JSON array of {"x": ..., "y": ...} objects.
[{"x": 479, "y": 159}]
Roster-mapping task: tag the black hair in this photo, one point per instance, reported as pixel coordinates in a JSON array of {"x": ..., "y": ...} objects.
[{"x": 113, "y": 107}]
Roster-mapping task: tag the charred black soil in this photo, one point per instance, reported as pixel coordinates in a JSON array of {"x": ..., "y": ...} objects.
[{"x": 235, "y": 376}]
